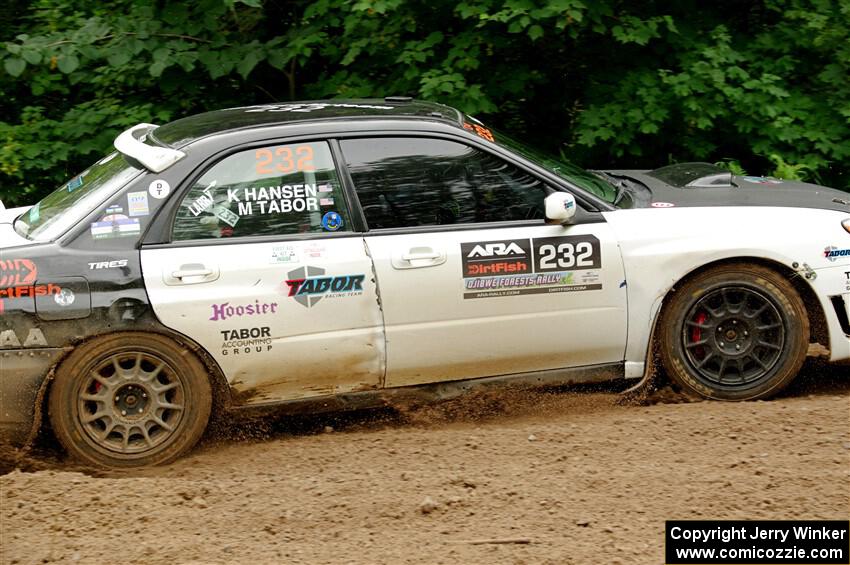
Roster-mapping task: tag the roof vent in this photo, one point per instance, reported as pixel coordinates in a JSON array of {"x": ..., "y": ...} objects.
[{"x": 398, "y": 99}]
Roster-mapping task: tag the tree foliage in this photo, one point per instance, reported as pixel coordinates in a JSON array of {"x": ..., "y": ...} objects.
[{"x": 631, "y": 84}]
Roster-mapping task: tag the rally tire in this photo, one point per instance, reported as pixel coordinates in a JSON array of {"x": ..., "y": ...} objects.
[
  {"x": 130, "y": 399},
  {"x": 734, "y": 332}
]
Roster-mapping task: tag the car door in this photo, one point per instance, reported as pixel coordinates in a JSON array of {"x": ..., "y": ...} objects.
[
  {"x": 472, "y": 282},
  {"x": 264, "y": 271}
]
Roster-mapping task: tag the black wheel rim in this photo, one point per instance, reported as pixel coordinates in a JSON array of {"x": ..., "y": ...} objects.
[
  {"x": 733, "y": 336},
  {"x": 131, "y": 403}
]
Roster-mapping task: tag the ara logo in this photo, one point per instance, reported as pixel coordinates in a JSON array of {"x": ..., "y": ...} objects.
[
  {"x": 487, "y": 258},
  {"x": 35, "y": 338},
  {"x": 308, "y": 285},
  {"x": 833, "y": 253},
  {"x": 497, "y": 248}
]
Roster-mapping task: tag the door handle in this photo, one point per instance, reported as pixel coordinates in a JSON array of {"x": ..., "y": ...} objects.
[
  {"x": 191, "y": 273},
  {"x": 420, "y": 256}
]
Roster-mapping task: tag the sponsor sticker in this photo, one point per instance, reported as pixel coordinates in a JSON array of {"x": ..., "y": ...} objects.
[
  {"x": 481, "y": 259},
  {"x": 159, "y": 189},
  {"x": 225, "y": 216},
  {"x": 308, "y": 285},
  {"x": 226, "y": 310},
  {"x": 25, "y": 291},
  {"x": 832, "y": 253},
  {"x": 326, "y": 201},
  {"x": 137, "y": 204},
  {"x": 313, "y": 250},
  {"x": 325, "y": 188},
  {"x": 34, "y": 338},
  {"x": 65, "y": 297},
  {"x": 284, "y": 254},
  {"x": 108, "y": 264},
  {"x": 15, "y": 272},
  {"x": 331, "y": 221},
  {"x": 119, "y": 227},
  {"x": 114, "y": 209},
  {"x": 762, "y": 180},
  {"x": 74, "y": 183},
  {"x": 536, "y": 266},
  {"x": 245, "y": 341}
]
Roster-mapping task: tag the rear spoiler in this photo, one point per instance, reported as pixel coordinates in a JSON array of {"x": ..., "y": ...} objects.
[{"x": 154, "y": 158}]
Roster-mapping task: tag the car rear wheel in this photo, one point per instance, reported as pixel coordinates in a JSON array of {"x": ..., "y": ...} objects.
[
  {"x": 734, "y": 332},
  {"x": 129, "y": 400}
]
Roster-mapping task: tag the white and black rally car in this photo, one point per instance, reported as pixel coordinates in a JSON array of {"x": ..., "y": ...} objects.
[{"x": 324, "y": 255}]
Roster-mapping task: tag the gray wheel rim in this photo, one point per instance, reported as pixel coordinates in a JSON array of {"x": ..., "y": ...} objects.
[
  {"x": 733, "y": 336},
  {"x": 131, "y": 402}
]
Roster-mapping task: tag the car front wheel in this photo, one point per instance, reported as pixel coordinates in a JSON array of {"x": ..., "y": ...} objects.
[
  {"x": 129, "y": 400},
  {"x": 734, "y": 332}
]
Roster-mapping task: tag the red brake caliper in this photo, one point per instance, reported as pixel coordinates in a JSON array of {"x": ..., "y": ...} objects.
[{"x": 696, "y": 333}]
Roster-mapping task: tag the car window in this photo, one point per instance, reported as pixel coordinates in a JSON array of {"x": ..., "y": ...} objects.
[
  {"x": 70, "y": 203},
  {"x": 274, "y": 190},
  {"x": 407, "y": 182}
]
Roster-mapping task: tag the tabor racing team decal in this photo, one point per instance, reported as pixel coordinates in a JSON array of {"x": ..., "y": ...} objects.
[
  {"x": 531, "y": 266},
  {"x": 308, "y": 285},
  {"x": 832, "y": 253},
  {"x": 246, "y": 340}
]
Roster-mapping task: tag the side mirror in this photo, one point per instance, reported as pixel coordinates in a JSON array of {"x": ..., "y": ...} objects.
[{"x": 560, "y": 207}]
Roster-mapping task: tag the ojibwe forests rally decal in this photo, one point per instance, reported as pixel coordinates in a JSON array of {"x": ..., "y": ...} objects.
[{"x": 510, "y": 267}]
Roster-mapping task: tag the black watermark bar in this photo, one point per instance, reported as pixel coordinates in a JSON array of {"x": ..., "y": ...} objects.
[{"x": 757, "y": 542}]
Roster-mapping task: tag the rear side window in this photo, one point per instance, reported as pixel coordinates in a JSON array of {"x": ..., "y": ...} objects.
[
  {"x": 274, "y": 190},
  {"x": 409, "y": 182}
]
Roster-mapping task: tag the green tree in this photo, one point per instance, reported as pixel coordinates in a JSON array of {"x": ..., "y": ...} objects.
[{"x": 607, "y": 82}]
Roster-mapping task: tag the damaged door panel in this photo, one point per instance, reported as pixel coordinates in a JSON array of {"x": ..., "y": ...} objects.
[{"x": 284, "y": 320}]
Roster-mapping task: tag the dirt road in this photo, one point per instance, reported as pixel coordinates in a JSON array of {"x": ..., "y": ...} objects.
[{"x": 575, "y": 476}]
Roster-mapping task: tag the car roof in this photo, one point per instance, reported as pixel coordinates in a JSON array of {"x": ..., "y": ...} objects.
[{"x": 186, "y": 130}]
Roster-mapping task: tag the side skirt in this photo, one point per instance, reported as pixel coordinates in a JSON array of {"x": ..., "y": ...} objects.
[{"x": 434, "y": 392}]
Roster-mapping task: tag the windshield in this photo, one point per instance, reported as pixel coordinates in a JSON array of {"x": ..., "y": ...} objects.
[
  {"x": 558, "y": 165},
  {"x": 71, "y": 202}
]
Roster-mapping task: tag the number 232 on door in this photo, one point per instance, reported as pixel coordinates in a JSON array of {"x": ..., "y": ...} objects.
[{"x": 284, "y": 159}]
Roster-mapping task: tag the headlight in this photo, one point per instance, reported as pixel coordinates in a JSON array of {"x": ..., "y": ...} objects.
[{"x": 846, "y": 225}]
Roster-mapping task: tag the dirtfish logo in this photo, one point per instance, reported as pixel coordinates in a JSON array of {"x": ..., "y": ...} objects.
[{"x": 308, "y": 285}]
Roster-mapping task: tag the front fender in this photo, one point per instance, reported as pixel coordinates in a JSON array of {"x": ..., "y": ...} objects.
[{"x": 662, "y": 246}]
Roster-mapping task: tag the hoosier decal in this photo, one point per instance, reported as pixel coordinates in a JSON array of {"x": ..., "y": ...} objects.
[{"x": 538, "y": 266}]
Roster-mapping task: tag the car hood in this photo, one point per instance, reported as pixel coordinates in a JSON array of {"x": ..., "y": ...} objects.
[
  {"x": 8, "y": 236},
  {"x": 703, "y": 184}
]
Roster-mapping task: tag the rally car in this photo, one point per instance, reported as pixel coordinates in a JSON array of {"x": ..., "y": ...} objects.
[{"x": 333, "y": 254}]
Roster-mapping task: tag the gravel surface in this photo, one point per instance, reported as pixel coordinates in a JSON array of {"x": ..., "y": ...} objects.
[{"x": 571, "y": 476}]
